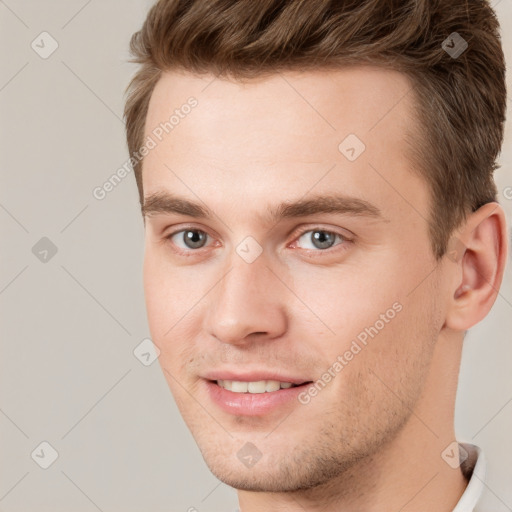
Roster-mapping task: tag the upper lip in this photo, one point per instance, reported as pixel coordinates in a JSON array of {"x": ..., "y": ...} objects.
[{"x": 253, "y": 376}]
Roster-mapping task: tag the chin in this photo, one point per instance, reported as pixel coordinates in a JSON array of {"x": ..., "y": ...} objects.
[{"x": 285, "y": 473}]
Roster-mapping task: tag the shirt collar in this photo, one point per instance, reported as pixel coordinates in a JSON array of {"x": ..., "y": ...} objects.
[{"x": 473, "y": 467}]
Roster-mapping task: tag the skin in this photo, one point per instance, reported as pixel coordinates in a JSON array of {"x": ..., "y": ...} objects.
[{"x": 372, "y": 439}]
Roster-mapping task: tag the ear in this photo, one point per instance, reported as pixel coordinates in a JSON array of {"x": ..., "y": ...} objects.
[{"x": 479, "y": 252}]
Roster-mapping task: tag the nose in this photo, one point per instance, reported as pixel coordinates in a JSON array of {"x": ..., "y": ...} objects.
[{"x": 247, "y": 303}]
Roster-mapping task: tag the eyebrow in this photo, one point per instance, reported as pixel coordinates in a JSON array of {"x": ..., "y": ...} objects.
[{"x": 167, "y": 203}]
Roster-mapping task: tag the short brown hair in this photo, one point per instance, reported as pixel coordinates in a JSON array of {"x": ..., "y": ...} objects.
[{"x": 460, "y": 102}]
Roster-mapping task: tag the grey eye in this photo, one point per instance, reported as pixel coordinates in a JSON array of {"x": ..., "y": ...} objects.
[
  {"x": 192, "y": 238},
  {"x": 319, "y": 238}
]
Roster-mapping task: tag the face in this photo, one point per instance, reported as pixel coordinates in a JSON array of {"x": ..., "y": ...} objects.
[{"x": 279, "y": 250}]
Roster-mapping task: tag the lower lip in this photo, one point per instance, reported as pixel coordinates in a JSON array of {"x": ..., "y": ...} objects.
[{"x": 253, "y": 404}]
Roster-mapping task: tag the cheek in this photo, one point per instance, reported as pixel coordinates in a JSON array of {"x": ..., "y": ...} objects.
[
  {"x": 344, "y": 301},
  {"x": 380, "y": 310},
  {"x": 394, "y": 361},
  {"x": 172, "y": 299},
  {"x": 155, "y": 285},
  {"x": 163, "y": 295},
  {"x": 167, "y": 291}
]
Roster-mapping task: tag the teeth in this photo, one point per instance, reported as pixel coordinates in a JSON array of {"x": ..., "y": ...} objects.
[
  {"x": 272, "y": 385},
  {"x": 261, "y": 386},
  {"x": 238, "y": 386}
]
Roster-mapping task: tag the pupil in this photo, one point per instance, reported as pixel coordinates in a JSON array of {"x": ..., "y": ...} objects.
[
  {"x": 194, "y": 239},
  {"x": 322, "y": 239}
]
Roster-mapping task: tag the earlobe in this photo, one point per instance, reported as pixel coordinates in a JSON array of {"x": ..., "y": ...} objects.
[{"x": 478, "y": 263}]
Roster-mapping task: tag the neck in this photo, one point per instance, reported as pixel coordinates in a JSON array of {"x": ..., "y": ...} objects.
[{"x": 407, "y": 474}]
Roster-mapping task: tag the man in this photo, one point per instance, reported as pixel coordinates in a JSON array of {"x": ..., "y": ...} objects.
[{"x": 316, "y": 181}]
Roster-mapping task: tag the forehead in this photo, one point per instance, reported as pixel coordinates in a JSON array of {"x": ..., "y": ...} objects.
[
  {"x": 282, "y": 134},
  {"x": 362, "y": 100}
]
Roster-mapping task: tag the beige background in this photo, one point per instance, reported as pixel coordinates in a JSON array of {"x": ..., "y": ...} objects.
[{"x": 70, "y": 325}]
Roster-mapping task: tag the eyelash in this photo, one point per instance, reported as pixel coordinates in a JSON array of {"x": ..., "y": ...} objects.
[{"x": 193, "y": 252}]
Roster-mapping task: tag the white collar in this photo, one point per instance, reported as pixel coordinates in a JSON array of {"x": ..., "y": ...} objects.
[{"x": 474, "y": 468}]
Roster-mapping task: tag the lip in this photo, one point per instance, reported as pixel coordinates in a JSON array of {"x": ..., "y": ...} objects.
[
  {"x": 254, "y": 376},
  {"x": 254, "y": 404}
]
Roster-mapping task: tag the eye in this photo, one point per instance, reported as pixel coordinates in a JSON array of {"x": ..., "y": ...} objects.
[
  {"x": 190, "y": 238},
  {"x": 320, "y": 239}
]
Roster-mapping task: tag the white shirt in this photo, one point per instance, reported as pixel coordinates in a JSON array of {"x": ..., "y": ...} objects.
[{"x": 473, "y": 468}]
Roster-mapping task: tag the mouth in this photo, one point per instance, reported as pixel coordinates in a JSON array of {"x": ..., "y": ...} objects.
[
  {"x": 255, "y": 398},
  {"x": 256, "y": 387}
]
